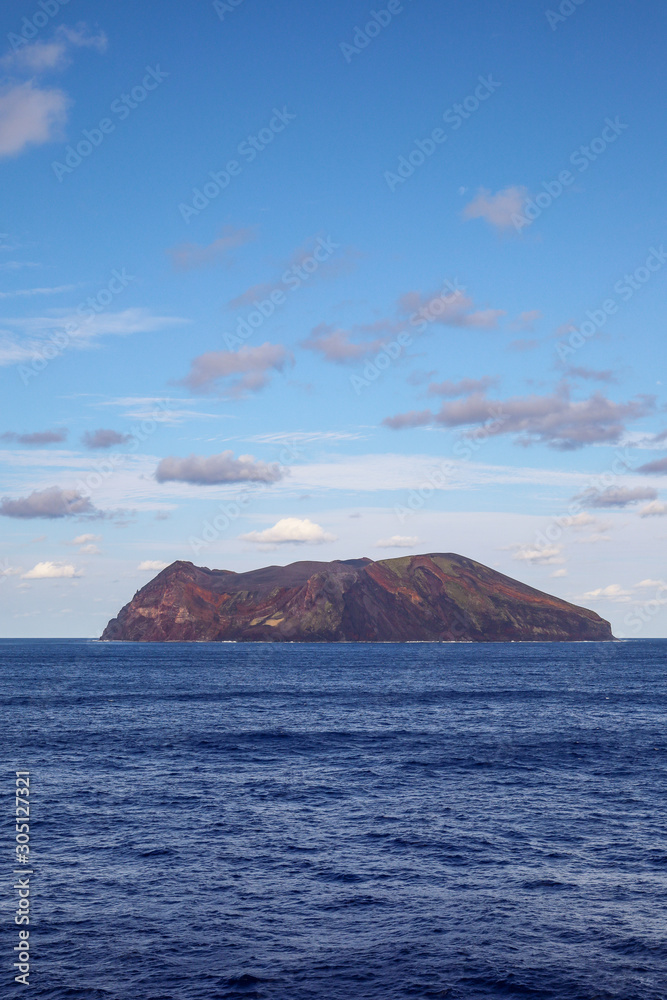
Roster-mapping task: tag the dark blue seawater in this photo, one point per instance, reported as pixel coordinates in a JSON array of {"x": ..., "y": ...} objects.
[{"x": 361, "y": 821}]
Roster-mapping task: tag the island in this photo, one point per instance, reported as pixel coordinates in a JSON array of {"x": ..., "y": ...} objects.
[{"x": 441, "y": 597}]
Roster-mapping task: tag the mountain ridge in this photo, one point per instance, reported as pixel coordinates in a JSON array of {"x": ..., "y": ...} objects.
[{"x": 434, "y": 597}]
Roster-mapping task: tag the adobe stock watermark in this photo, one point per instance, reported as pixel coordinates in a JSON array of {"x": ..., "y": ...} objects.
[
  {"x": 377, "y": 22},
  {"x": 58, "y": 342},
  {"x": 581, "y": 158},
  {"x": 623, "y": 462},
  {"x": 566, "y": 9},
  {"x": 24, "y": 870},
  {"x": 417, "y": 498},
  {"x": 292, "y": 279},
  {"x": 644, "y": 615},
  {"x": 31, "y": 26},
  {"x": 464, "y": 449},
  {"x": 430, "y": 312},
  {"x": 249, "y": 150},
  {"x": 625, "y": 288},
  {"x": 122, "y": 108},
  {"x": 454, "y": 116},
  {"x": 229, "y": 512},
  {"x": 224, "y": 7}
]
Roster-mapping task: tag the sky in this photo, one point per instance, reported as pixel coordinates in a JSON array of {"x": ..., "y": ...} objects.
[{"x": 327, "y": 280}]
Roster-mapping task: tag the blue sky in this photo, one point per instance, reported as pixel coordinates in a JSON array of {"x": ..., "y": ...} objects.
[{"x": 420, "y": 309}]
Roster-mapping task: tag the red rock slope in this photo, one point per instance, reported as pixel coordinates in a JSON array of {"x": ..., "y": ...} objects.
[{"x": 438, "y": 597}]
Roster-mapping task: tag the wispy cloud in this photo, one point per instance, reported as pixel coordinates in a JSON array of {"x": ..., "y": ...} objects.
[
  {"x": 589, "y": 374},
  {"x": 336, "y": 345},
  {"x": 87, "y": 544},
  {"x": 6, "y": 570},
  {"x": 31, "y": 115},
  {"x": 454, "y": 309},
  {"x": 397, "y": 542},
  {"x": 313, "y": 261},
  {"x": 613, "y": 592},
  {"x": 657, "y": 468},
  {"x": 36, "y": 438},
  {"x": 104, "y": 438},
  {"x": 540, "y": 556},
  {"x": 37, "y": 291},
  {"x": 465, "y": 387},
  {"x": 189, "y": 256},
  {"x": 163, "y": 409},
  {"x": 524, "y": 344},
  {"x": 526, "y": 320},
  {"x": 617, "y": 496},
  {"x": 654, "y": 509},
  {"x": 555, "y": 420},
  {"x": 306, "y": 437},
  {"x": 41, "y": 57},
  {"x": 497, "y": 209},
  {"x": 235, "y": 373},
  {"x": 17, "y": 265},
  {"x": 29, "y": 335},
  {"x": 413, "y": 312}
]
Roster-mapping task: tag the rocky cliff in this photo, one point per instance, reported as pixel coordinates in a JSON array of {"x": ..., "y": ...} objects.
[{"x": 428, "y": 597}]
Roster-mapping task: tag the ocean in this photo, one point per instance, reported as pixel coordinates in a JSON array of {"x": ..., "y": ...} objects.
[{"x": 284, "y": 822}]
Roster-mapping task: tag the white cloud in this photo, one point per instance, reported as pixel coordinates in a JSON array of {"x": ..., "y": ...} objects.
[
  {"x": 152, "y": 565},
  {"x": 30, "y": 115},
  {"x": 291, "y": 531},
  {"x": 397, "y": 542},
  {"x": 51, "y": 571},
  {"x": 36, "y": 58},
  {"x": 613, "y": 592},
  {"x": 40, "y": 57},
  {"x": 7, "y": 570},
  {"x": 559, "y": 573},
  {"x": 85, "y": 539},
  {"x": 497, "y": 209},
  {"x": 546, "y": 556},
  {"x": 652, "y": 583}
]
